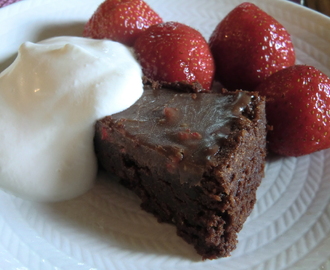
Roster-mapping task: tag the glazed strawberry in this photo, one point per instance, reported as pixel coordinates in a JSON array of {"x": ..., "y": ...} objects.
[
  {"x": 173, "y": 53},
  {"x": 248, "y": 45},
  {"x": 298, "y": 108},
  {"x": 121, "y": 20}
]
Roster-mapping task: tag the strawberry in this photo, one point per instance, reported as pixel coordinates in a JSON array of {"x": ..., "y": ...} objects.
[
  {"x": 173, "y": 54},
  {"x": 248, "y": 45},
  {"x": 298, "y": 108},
  {"x": 121, "y": 20}
]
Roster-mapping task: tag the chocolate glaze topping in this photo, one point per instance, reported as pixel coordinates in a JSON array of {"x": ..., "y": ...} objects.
[{"x": 188, "y": 135}]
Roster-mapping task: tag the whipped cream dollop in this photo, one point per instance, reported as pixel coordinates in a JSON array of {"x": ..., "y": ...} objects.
[{"x": 50, "y": 98}]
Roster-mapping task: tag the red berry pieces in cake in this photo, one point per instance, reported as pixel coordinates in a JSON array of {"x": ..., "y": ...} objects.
[
  {"x": 173, "y": 53},
  {"x": 248, "y": 45},
  {"x": 187, "y": 135},
  {"x": 121, "y": 20},
  {"x": 172, "y": 115},
  {"x": 104, "y": 133},
  {"x": 298, "y": 108}
]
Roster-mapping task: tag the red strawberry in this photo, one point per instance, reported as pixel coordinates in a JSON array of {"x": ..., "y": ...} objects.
[
  {"x": 248, "y": 45},
  {"x": 174, "y": 53},
  {"x": 298, "y": 108},
  {"x": 121, "y": 20}
]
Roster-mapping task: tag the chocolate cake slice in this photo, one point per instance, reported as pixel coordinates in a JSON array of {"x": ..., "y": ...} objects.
[{"x": 194, "y": 159}]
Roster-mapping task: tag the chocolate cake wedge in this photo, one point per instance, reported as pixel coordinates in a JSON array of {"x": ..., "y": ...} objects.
[{"x": 194, "y": 159}]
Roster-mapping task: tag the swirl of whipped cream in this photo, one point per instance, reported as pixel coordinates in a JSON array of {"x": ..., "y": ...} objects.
[{"x": 50, "y": 98}]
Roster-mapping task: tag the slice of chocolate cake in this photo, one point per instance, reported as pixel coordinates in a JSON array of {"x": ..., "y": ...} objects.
[{"x": 195, "y": 160}]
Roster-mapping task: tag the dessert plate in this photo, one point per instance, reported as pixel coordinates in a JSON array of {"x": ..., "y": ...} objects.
[{"x": 105, "y": 228}]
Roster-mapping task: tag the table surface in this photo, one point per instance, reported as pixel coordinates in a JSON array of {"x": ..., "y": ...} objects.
[{"x": 7, "y": 2}]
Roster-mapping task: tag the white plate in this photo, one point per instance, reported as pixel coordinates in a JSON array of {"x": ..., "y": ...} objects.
[{"x": 105, "y": 229}]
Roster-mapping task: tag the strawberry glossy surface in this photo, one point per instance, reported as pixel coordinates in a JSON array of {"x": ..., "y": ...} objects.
[
  {"x": 173, "y": 52},
  {"x": 249, "y": 45},
  {"x": 298, "y": 108},
  {"x": 121, "y": 20}
]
